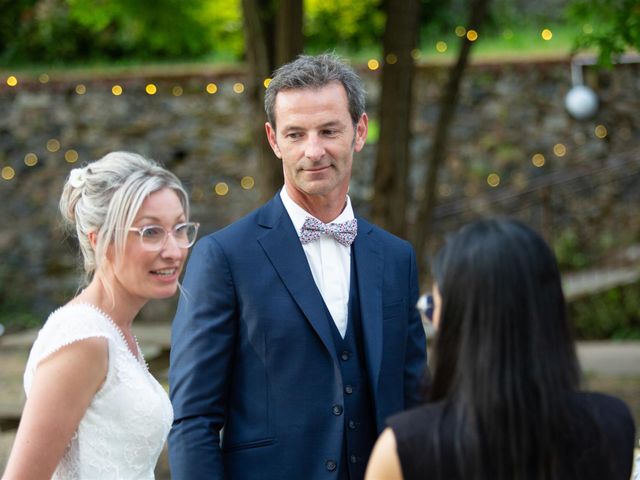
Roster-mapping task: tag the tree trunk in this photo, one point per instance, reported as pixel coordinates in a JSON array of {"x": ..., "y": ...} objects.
[
  {"x": 389, "y": 204},
  {"x": 448, "y": 104},
  {"x": 273, "y": 36}
]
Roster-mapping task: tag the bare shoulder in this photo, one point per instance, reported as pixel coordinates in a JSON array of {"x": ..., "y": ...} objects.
[{"x": 384, "y": 463}]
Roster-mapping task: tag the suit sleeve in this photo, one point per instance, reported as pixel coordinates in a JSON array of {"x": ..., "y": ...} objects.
[
  {"x": 415, "y": 368},
  {"x": 202, "y": 346}
]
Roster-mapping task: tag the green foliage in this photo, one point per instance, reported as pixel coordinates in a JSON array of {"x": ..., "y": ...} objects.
[
  {"x": 614, "y": 314},
  {"x": 611, "y": 26},
  {"x": 568, "y": 250},
  {"x": 348, "y": 23},
  {"x": 58, "y": 31}
]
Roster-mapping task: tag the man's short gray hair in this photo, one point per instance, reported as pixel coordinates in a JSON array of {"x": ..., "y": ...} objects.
[{"x": 316, "y": 71}]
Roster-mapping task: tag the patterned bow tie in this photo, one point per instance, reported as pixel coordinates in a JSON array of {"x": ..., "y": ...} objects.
[{"x": 345, "y": 233}]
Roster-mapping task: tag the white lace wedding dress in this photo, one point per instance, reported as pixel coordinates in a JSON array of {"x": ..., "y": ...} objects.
[{"x": 122, "y": 432}]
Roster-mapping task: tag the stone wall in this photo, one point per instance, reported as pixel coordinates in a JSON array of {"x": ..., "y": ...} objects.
[{"x": 584, "y": 197}]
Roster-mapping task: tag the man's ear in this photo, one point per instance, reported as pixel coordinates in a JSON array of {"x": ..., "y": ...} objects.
[
  {"x": 362, "y": 128},
  {"x": 271, "y": 136}
]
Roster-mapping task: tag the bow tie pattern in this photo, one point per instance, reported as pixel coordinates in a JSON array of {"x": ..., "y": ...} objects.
[{"x": 345, "y": 233}]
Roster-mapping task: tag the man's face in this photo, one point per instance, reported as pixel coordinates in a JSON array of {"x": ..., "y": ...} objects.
[{"x": 315, "y": 139}]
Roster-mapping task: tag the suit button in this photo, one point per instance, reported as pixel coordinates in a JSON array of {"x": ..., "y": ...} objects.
[
  {"x": 348, "y": 389},
  {"x": 344, "y": 356},
  {"x": 331, "y": 465},
  {"x": 353, "y": 458},
  {"x": 337, "y": 410},
  {"x": 352, "y": 425}
]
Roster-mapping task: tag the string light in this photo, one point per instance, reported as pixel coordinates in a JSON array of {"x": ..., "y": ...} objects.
[
  {"x": 493, "y": 180},
  {"x": 71, "y": 156},
  {"x": 81, "y": 89},
  {"x": 116, "y": 90},
  {"x": 472, "y": 35},
  {"x": 373, "y": 64},
  {"x": 211, "y": 88},
  {"x": 559, "y": 150},
  {"x": 247, "y": 182},
  {"x": 238, "y": 87},
  {"x": 12, "y": 81},
  {"x": 221, "y": 189},
  {"x": 30, "y": 159},
  {"x": 151, "y": 89},
  {"x": 53, "y": 145},
  {"x": 546, "y": 34},
  {"x": 538, "y": 160},
  {"x": 8, "y": 173},
  {"x": 601, "y": 131}
]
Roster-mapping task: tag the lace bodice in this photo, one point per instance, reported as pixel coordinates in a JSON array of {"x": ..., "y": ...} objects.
[{"x": 122, "y": 432}]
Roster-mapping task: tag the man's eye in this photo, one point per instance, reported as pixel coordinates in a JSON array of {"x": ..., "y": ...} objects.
[{"x": 294, "y": 135}]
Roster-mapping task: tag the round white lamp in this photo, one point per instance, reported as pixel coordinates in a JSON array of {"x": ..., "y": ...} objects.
[{"x": 581, "y": 102}]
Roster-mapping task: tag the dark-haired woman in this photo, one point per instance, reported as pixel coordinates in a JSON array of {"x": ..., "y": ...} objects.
[{"x": 504, "y": 402}]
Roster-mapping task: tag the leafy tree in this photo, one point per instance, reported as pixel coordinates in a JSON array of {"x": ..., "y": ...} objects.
[{"x": 611, "y": 26}]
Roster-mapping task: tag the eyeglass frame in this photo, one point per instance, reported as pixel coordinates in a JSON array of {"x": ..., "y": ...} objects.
[{"x": 140, "y": 232}]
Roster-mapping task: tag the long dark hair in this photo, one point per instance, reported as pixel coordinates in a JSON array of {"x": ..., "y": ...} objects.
[{"x": 505, "y": 361}]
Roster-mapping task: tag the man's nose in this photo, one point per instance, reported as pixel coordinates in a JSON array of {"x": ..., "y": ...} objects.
[{"x": 314, "y": 148}]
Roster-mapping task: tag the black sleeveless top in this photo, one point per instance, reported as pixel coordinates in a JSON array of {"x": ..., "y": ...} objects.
[{"x": 603, "y": 440}]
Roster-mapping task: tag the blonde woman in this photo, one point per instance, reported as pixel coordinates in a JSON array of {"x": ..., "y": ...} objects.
[{"x": 93, "y": 410}]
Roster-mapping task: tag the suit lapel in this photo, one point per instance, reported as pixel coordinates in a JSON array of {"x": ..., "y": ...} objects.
[
  {"x": 369, "y": 267},
  {"x": 284, "y": 250}
]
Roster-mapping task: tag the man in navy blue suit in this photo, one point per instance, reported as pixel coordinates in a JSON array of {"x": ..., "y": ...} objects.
[{"x": 297, "y": 335}]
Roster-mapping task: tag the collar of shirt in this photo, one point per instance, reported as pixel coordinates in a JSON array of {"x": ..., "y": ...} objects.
[{"x": 299, "y": 214}]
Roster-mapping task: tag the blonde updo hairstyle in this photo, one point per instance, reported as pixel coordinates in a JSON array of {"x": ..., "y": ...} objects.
[{"x": 104, "y": 197}]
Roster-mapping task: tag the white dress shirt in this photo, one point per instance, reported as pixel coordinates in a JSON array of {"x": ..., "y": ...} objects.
[{"x": 330, "y": 261}]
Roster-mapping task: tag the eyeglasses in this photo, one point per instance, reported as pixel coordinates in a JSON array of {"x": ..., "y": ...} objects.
[{"x": 154, "y": 237}]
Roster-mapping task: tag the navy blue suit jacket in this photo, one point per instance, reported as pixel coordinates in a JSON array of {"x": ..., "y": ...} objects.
[{"x": 252, "y": 351}]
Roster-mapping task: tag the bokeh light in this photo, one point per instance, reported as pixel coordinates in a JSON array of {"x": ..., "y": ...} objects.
[
  {"x": 373, "y": 64},
  {"x": 71, "y": 156},
  {"x": 151, "y": 89},
  {"x": 441, "y": 46},
  {"x": 43, "y": 78},
  {"x": 238, "y": 87},
  {"x": 81, "y": 89},
  {"x": 8, "y": 173},
  {"x": 12, "y": 81},
  {"x": 507, "y": 34},
  {"x": 538, "y": 160},
  {"x": 460, "y": 31},
  {"x": 221, "y": 188},
  {"x": 559, "y": 150},
  {"x": 546, "y": 34},
  {"x": 472, "y": 35},
  {"x": 266, "y": 82},
  {"x": 415, "y": 54},
  {"x": 53, "y": 145},
  {"x": 247, "y": 182},
  {"x": 116, "y": 90},
  {"x": 30, "y": 159},
  {"x": 391, "y": 59},
  {"x": 601, "y": 131},
  {"x": 493, "y": 179},
  {"x": 177, "y": 91},
  {"x": 211, "y": 88}
]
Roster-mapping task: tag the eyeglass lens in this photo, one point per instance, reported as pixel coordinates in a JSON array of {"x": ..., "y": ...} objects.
[{"x": 155, "y": 236}]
